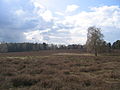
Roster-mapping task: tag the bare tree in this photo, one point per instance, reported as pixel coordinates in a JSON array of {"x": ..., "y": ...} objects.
[
  {"x": 3, "y": 48},
  {"x": 94, "y": 39}
]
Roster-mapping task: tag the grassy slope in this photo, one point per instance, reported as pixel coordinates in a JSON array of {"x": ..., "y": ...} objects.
[{"x": 58, "y": 70}]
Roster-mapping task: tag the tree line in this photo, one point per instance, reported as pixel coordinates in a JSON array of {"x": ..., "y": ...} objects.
[{"x": 22, "y": 47}]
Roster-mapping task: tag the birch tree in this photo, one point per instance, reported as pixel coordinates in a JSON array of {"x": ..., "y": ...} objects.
[{"x": 94, "y": 39}]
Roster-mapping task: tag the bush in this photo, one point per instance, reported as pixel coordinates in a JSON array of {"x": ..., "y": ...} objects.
[{"x": 24, "y": 80}]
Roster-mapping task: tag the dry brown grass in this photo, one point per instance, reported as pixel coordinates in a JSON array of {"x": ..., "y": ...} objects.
[{"x": 51, "y": 70}]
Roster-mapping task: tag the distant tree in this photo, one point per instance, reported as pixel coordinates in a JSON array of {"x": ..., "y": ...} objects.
[
  {"x": 75, "y": 46},
  {"x": 116, "y": 45},
  {"x": 62, "y": 47},
  {"x": 94, "y": 39},
  {"x": 44, "y": 46},
  {"x": 105, "y": 47},
  {"x": 53, "y": 47},
  {"x": 102, "y": 47},
  {"x": 109, "y": 47},
  {"x": 3, "y": 47}
]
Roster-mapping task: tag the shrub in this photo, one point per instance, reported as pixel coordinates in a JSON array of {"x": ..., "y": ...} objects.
[{"x": 24, "y": 80}]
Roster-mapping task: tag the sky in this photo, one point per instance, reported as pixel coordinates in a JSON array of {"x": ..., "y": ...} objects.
[{"x": 58, "y": 21}]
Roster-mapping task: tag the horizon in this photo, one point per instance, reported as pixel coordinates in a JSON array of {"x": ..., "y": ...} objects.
[{"x": 58, "y": 22}]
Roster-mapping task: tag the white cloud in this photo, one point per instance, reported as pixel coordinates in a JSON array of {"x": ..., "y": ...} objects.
[
  {"x": 38, "y": 5},
  {"x": 34, "y": 36},
  {"x": 101, "y": 16},
  {"x": 105, "y": 16},
  {"x": 47, "y": 15},
  {"x": 78, "y": 40},
  {"x": 74, "y": 27},
  {"x": 71, "y": 8},
  {"x": 42, "y": 11},
  {"x": 59, "y": 13}
]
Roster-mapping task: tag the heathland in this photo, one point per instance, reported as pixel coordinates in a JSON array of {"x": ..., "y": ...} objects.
[{"x": 59, "y": 70}]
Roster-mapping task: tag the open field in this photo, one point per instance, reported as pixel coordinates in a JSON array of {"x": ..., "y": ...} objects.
[{"x": 59, "y": 70}]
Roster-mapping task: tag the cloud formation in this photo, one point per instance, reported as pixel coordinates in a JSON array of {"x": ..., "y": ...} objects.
[
  {"x": 71, "y": 8},
  {"x": 33, "y": 22}
]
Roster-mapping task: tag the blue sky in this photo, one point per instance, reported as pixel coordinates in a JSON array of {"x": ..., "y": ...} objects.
[{"x": 58, "y": 21}]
